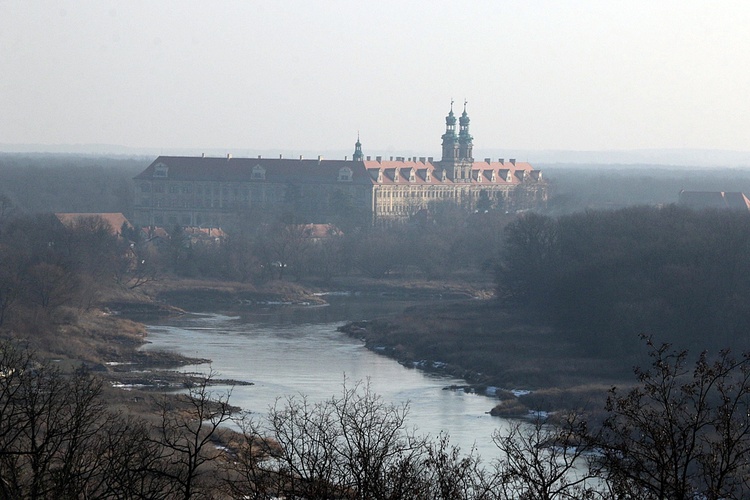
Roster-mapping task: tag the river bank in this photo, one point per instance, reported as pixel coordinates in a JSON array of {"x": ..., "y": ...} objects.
[
  {"x": 457, "y": 329},
  {"x": 503, "y": 351}
]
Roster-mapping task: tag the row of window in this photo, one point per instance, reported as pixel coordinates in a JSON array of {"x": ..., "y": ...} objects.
[{"x": 432, "y": 194}]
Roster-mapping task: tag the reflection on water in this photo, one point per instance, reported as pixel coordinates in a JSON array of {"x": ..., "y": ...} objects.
[{"x": 286, "y": 351}]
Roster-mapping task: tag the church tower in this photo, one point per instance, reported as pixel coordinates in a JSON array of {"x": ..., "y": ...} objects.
[
  {"x": 457, "y": 149},
  {"x": 450, "y": 141},
  {"x": 465, "y": 139},
  {"x": 357, "y": 156}
]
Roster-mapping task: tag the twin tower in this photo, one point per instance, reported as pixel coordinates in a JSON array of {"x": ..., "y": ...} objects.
[{"x": 457, "y": 149}]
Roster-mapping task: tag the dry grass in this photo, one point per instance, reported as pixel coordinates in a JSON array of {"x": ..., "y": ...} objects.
[{"x": 490, "y": 345}]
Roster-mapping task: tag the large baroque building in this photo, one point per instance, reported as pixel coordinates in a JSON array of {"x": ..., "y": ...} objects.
[{"x": 201, "y": 191}]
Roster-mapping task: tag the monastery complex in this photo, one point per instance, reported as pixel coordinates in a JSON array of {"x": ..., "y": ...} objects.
[{"x": 217, "y": 192}]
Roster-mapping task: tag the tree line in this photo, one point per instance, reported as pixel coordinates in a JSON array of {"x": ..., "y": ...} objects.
[
  {"x": 278, "y": 249},
  {"x": 602, "y": 277},
  {"x": 44, "y": 183}
]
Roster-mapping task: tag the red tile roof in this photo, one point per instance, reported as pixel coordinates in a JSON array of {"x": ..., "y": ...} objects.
[
  {"x": 190, "y": 168},
  {"x": 114, "y": 220}
]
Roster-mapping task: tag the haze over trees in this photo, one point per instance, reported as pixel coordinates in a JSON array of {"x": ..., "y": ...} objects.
[{"x": 602, "y": 277}]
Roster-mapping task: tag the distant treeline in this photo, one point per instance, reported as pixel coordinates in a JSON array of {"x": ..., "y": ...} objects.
[
  {"x": 603, "y": 277},
  {"x": 69, "y": 183},
  {"x": 579, "y": 187}
]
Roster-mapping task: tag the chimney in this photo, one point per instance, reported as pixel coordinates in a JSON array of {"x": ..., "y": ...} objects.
[
  {"x": 301, "y": 157},
  {"x": 259, "y": 157},
  {"x": 512, "y": 161},
  {"x": 203, "y": 155},
  {"x": 501, "y": 160},
  {"x": 391, "y": 158},
  {"x": 368, "y": 157},
  {"x": 320, "y": 158},
  {"x": 488, "y": 160},
  {"x": 422, "y": 159},
  {"x": 379, "y": 159},
  {"x": 280, "y": 157},
  {"x": 346, "y": 158},
  {"x": 430, "y": 159},
  {"x": 229, "y": 156}
]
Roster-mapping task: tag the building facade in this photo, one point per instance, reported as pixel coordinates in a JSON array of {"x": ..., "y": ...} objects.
[{"x": 219, "y": 192}]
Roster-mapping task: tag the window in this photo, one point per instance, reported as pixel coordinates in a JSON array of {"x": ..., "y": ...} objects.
[
  {"x": 160, "y": 170},
  {"x": 345, "y": 174},
  {"x": 259, "y": 173}
]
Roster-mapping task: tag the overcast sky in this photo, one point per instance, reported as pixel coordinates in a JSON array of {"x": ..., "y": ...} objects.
[{"x": 308, "y": 75}]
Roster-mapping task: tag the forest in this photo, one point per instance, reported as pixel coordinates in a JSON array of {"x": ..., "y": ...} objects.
[{"x": 601, "y": 277}]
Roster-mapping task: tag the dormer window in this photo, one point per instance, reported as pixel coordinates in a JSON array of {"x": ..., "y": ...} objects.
[
  {"x": 345, "y": 174},
  {"x": 427, "y": 176},
  {"x": 396, "y": 175},
  {"x": 161, "y": 170},
  {"x": 493, "y": 178},
  {"x": 380, "y": 176},
  {"x": 259, "y": 173},
  {"x": 412, "y": 176},
  {"x": 443, "y": 175},
  {"x": 506, "y": 175}
]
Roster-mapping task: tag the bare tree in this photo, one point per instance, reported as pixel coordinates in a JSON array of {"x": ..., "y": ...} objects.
[
  {"x": 684, "y": 432},
  {"x": 48, "y": 423},
  {"x": 188, "y": 431},
  {"x": 49, "y": 285},
  {"x": 544, "y": 461},
  {"x": 354, "y": 446}
]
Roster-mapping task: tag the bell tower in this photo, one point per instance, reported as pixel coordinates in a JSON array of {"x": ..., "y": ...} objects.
[
  {"x": 465, "y": 140},
  {"x": 450, "y": 141},
  {"x": 457, "y": 149}
]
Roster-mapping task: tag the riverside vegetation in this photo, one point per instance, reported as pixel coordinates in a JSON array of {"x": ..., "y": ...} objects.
[{"x": 573, "y": 292}]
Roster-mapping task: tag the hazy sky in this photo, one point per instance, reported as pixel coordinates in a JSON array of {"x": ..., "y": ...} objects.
[{"x": 307, "y": 75}]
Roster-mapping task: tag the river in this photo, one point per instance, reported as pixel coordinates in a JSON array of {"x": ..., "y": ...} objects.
[{"x": 295, "y": 350}]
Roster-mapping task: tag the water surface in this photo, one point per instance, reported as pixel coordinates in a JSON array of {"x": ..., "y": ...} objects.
[{"x": 292, "y": 350}]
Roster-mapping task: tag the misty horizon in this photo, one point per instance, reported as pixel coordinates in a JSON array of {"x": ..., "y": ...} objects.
[
  {"x": 702, "y": 158},
  {"x": 539, "y": 76}
]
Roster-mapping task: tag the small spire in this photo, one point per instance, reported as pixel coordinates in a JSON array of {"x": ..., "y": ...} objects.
[{"x": 358, "y": 156}]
